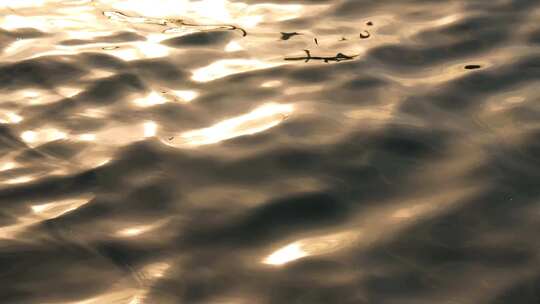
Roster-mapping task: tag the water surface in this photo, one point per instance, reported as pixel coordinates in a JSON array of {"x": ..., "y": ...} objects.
[{"x": 307, "y": 151}]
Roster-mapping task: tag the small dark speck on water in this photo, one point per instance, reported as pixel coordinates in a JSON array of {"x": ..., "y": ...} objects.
[
  {"x": 369, "y": 23},
  {"x": 171, "y": 138},
  {"x": 472, "y": 66},
  {"x": 364, "y": 35},
  {"x": 316, "y": 41},
  {"x": 286, "y": 36}
]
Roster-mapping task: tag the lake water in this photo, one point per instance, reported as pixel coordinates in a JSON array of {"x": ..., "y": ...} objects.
[{"x": 269, "y": 151}]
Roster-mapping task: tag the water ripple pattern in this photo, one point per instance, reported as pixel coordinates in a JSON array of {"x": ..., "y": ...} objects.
[{"x": 269, "y": 151}]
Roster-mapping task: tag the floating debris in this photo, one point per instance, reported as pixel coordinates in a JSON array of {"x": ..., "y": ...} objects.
[
  {"x": 316, "y": 42},
  {"x": 108, "y": 48},
  {"x": 339, "y": 57},
  {"x": 369, "y": 23},
  {"x": 118, "y": 16},
  {"x": 343, "y": 39},
  {"x": 364, "y": 35},
  {"x": 472, "y": 66},
  {"x": 286, "y": 36},
  {"x": 175, "y": 23},
  {"x": 213, "y": 26}
]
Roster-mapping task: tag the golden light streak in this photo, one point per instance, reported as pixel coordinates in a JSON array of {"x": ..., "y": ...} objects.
[
  {"x": 258, "y": 120},
  {"x": 151, "y": 99},
  {"x": 233, "y": 46},
  {"x": 139, "y": 50},
  {"x": 10, "y": 118},
  {"x": 87, "y": 137},
  {"x": 20, "y": 180},
  {"x": 28, "y": 136},
  {"x": 311, "y": 246},
  {"x": 58, "y": 208},
  {"x": 185, "y": 95},
  {"x": 286, "y": 254},
  {"x": 22, "y": 3},
  {"x": 226, "y": 67},
  {"x": 156, "y": 270},
  {"x": 138, "y": 230},
  {"x": 13, "y": 22},
  {"x": 115, "y": 297},
  {"x": 8, "y": 166},
  {"x": 149, "y": 129},
  {"x": 37, "y": 137},
  {"x": 41, "y": 212},
  {"x": 271, "y": 84},
  {"x": 206, "y": 11}
]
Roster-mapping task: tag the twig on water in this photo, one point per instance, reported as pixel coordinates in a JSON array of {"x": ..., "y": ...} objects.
[
  {"x": 118, "y": 16},
  {"x": 339, "y": 57},
  {"x": 218, "y": 26}
]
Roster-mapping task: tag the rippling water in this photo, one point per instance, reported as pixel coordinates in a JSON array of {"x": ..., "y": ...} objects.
[{"x": 304, "y": 151}]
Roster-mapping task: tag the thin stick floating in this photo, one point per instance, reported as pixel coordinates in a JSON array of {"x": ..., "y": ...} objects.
[
  {"x": 287, "y": 36},
  {"x": 339, "y": 57},
  {"x": 176, "y": 23}
]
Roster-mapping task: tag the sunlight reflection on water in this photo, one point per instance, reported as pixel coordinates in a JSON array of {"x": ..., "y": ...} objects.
[
  {"x": 222, "y": 151},
  {"x": 258, "y": 120}
]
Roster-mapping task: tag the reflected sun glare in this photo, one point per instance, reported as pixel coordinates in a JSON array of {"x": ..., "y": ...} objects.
[
  {"x": 258, "y": 120},
  {"x": 311, "y": 246},
  {"x": 226, "y": 67}
]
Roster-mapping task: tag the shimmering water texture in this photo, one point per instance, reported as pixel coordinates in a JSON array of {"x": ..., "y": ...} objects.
[{"x": 269, "y": 151}]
